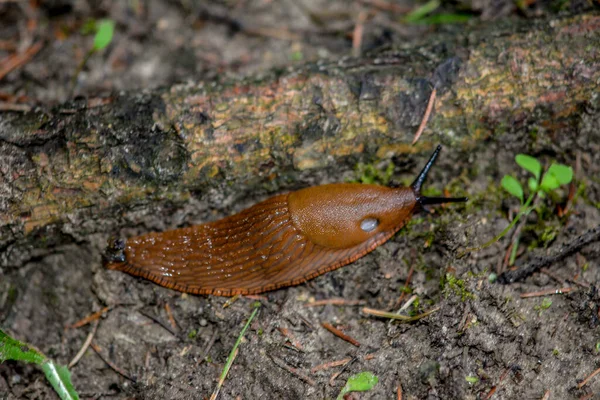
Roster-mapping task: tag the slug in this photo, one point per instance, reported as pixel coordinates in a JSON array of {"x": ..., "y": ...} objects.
[{"x": 283, "y": 241}]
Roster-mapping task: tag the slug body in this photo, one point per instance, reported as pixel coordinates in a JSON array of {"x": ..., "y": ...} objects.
[{"x": 282, "y": 241}]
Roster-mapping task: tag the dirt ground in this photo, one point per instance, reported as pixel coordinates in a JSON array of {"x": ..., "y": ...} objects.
[{"x": 486, "y": 341}]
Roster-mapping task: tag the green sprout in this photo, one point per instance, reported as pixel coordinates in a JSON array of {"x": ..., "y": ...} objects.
[
  {"x": 360, "y": 382},
  {"x": 538, "y": 185},
  {"x": 546, "y": 303},
  {"x": 58, "y": 375},
  {"x": 103, "y": 35}
]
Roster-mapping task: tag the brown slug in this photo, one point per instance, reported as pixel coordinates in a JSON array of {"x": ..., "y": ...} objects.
[{"x": 283, "y": 241}]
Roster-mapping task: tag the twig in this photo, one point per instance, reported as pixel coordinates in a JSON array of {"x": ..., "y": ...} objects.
[
  {"x": 209, "y": 345},
  {"x": 386, "y": 314},
  {"x": 552, "y": 275},
  {"x": 159, "y": 322},
  {"x": 19, "y": 59},
  {"x": 586, "y": 380},
  {"x": 232, "y": 356},
  {"x": 340, "y": 334},
  {"x": 5, "y": 106},
  {"x": 335, "y": 302},
  {"x": 86, "y": 344},
  {"x": 330, "y": 364},
  {"x": 573, "y": 246},
  {"x": 90, "y": 318},
  {"x": 426, "y": 116},
  {"x": 399, "y": 392},
  {"x": 341, "y": 371},
  {"x": 171, "y": 317},
  {"x": 387, "y": 6},
  {"x": 290, "y": 336},
  {"x": 358, "y": 33},
  {"x": 118, "y": 370},
  {"x": 281, "y": 364},
  {"x": 547, "y": 292},
  {"x": 546, "y": 395}
]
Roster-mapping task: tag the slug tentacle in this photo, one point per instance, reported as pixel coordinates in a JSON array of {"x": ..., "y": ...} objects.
[
  {"x": 282, "y": 241},
  {"x": 418, "y": 182}
]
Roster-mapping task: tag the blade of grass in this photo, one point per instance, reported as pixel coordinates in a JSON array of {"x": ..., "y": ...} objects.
[
  {"x": 404, "y": 318},
  {"x": 232, "y": 355},
  {"x": 58, "y": 375}
]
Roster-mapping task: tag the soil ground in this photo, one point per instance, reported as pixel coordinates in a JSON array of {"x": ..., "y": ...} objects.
[{"x": 485, "y": 341}]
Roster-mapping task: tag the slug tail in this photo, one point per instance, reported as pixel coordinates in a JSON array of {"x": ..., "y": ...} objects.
[{"x": 418, "y": 183}]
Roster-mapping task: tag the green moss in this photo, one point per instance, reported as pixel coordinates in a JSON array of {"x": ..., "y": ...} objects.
[
  {"x": 192, "y": 334},
  {"x": 451, "y": 284},
  {"x": 370, "y": 174}
]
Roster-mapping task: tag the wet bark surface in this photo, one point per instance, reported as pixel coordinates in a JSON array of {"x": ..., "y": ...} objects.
[{"x": 126, "y": 163}]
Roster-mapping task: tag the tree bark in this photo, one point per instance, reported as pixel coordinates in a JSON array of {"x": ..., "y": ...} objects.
[{"x": 102, "y": 159}]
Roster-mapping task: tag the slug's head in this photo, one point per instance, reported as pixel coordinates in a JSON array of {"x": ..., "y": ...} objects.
[
  {"x": 345, "y": 215},
  {"x": 115, "y": 251},
  {"x": 423, "y": 201}
]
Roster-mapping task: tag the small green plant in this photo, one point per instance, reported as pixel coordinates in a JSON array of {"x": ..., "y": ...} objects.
[
  {"x": 538, "y": 185},
  {"x": 423, "y": 14},
  {"x": 546, "y": 303},
  {"x": 103, "y": 35},
  {"x": 360, "y": 382},
  {"x": 58, "y": 375},
  {"x": 472, "y": 379}
]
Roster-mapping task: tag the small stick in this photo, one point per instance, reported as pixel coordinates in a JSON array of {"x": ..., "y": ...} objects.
[
  {"x": 573, "y": 246},
  {"x": 290, "y": 336},
  {"x": 330, "y": 364},
  {"x": 90, "y": 318},
  {"x": 5, "y": 106},
  {"x": 386, "y": 6},
  {"x": 547, "y": 292},
  {"x": 586, "y": 380},
  {"x": 281, "y": 364},
  {"x": 159, "y": 322},
  {"x": 408, "y": 303},
  {"x": 426, "y": 116},
  {"x": 546, "y": 395},
  {"x": 357, "y": 35},
  {"x": 399, "y": 392},
  {"x": 19, "y": 59},
  {"x": 340, "y": 334},
  {"x": 209, "y": 345},
  {"x": 170, "y": 315},
  {"x": 232, "y": 356},
  {"x": 552, "y": 275},
  {"x": 341, "y": 371},
  {"x": 385, "y": 314},
  {"x": 118, "y": 370},
  {"x": 86, "y": 344},
  {"x": 336, "y": 302}
]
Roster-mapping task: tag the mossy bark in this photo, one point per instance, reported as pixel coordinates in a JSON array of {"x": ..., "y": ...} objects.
[{"x": 94, "y": 159}]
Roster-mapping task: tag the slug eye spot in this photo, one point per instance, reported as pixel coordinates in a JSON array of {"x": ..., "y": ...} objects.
[{"x": 369, "y": 224}]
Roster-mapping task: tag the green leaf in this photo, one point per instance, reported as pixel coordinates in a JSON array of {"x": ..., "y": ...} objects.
[
  {"x": 472, "y": 379},
  {"x": 58, "y": 376},
  {"x": 512, "y": 186},
  {"x": 360, "y": 382},
  {"x": 420, "y": 12},
  {"x": 60, "y": 379},
  {"x": 104, "y": 34},
  {"x": 442, "y": 19},
  {"x": 533, "y": 184},
  {"x": 530, "y": 164},
  {"x": 12, "y": 349},
  {"x": 563, "y": 173},
  {"x": 549, "y": 182}
]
